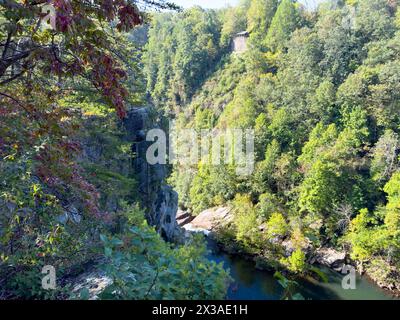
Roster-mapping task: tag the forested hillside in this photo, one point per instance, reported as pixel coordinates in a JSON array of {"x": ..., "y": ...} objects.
[{"x": 321, "y": 89}]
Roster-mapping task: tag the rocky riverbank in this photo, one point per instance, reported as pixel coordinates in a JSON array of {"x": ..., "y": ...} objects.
[{"x": 210, "y": 221}]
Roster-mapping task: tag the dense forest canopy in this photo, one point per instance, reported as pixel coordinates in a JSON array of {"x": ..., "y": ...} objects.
[{"x": 321, "y": 89}]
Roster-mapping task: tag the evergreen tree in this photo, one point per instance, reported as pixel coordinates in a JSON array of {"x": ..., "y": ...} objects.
[{"x": 286, "y": 19}]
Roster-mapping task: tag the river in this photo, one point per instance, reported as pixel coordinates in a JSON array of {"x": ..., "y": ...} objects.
[{"x": 250, "y": 283}]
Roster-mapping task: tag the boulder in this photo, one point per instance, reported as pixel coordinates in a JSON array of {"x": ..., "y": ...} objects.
[
  {"x": 329, "y": 257},
  {"x": 289, "y": 247},
  {"x": 183, "y": 217},
  {"x": 71, "y": 213},
  {"x": 211, "y": 219},
  {"x": 95, "y": 281}
]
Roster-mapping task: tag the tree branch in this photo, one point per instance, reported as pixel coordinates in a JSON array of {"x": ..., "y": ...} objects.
[
  {"x": 15, "y": 100},
  {"x": 7, "y": 44},
  {"x": 12, "y": 78}
]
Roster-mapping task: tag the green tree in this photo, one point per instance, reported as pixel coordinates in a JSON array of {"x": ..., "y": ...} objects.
[
  {"x": 296, "y": 262},
  {"x": 246, "y": 223},
  {"x": 277, "y": 226},
  {"x": 181, "y": 51},
  {"x": 259, "y": 18},
  {"x": 385, "y": 156},
  {"x": 286, "y": 19},
  {"x": 234, "y": 21}
]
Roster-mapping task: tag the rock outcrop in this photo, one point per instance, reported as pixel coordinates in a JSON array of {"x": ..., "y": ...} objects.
[
  {"x": 289, "y": 247},
  {"x": 162, "y": 213},
  {"x": 160, "y": 200},
  {"x": 95, "y": 281},
  {"x": 210, "y": 219},
  {"x": 329, "y": 257},
  {"x": 183, "y": 217}
]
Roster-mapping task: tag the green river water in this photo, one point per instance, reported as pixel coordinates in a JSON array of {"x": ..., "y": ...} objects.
[{"x": 250, "y": 283}]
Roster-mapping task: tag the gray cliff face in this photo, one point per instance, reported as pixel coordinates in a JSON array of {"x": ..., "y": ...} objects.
[{"x": 160, "y": 200}]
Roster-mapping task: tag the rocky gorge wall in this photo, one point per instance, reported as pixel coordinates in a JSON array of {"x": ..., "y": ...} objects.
[{"x": 159, "y": 199}]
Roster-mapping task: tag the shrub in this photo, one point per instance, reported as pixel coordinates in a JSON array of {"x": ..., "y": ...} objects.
[
  {"x": 277, "y": 226},
  {"x": 296, "y": 263}
]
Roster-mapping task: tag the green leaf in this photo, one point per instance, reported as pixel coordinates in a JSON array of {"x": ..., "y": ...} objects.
[
  {"x": 103, "y": 238},
  {"x": 116, "y": 242},
  {"x": 108, "y": 251}
]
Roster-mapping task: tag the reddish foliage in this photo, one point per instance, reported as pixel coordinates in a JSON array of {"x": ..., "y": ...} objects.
[
  {"x": 129, "y": 17},
  {"x": 83, "y": 50},
  {"x": 57, "y": 170},
  {"x": 107, "y": 76},
  {"x": 71, "y": 146},
  {"x": 108, "y": 9},
  {"x": 65, "y": 14}
]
